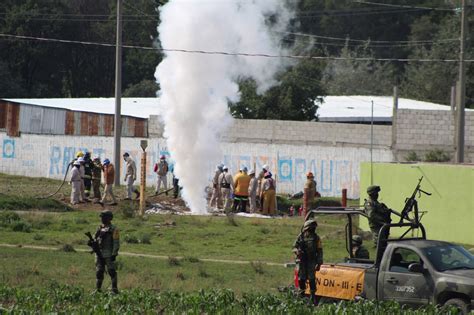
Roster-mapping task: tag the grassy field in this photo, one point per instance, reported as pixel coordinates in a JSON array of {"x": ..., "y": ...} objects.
[{"x": 193, "y": 238}]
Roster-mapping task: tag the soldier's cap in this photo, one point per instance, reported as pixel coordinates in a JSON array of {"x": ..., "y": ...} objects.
[
  {"x": 309, "y": 223},
  {"x": 106, "y": 213},
  {"x": 357, "y": 239},
  {"x": 372, "y": 189}
]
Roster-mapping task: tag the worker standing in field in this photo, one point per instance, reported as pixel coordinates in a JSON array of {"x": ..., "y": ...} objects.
[
  {"x": 87, "y": 174},
  {"x": 268, "y": 194},
  {"x": 261, "y": 179},
  {"x": 309, "y": 192},
  {"x": 76, "y": 181},
  {"x": 83, "y": 175},
  {"x": 253, "y": 191},
  {"x": 108, "y": 238},
  {"x": 241, "y": 191},
  {"x": 378, "y": 213},
  {"x": 130, "y": 176},
  {"x": 109, "y": 178},
  {"x": 359, "y": 250},
  {"x": 96, "y": 178},
  {"x": 161, "y": 169},
  {"x": 309, "y": 251},
  {"x": 216, "y": 200},
  {"x": 226, "y": 183}
]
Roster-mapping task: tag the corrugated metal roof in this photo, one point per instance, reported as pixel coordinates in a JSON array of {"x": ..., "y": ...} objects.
[
  {"x": 43, "y": 120},
  {"x": 141, "y": 107}
]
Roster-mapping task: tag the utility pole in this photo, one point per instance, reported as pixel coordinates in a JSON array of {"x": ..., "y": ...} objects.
[
  {"x": 462, "y": 88},
  {"x": 118, "y": 94}
]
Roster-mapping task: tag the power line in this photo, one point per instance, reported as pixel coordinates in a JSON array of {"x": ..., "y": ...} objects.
[
  {"x": 403, "y": 6},
  {"x": 369, "y": 40},
  {"x": 242, "y": 54}
]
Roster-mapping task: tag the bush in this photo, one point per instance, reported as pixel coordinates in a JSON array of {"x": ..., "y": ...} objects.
[
  {"x": 68, "y": 248},
  {"x": 7, "y": 218},
  {"x": 145, "y": 238},
  {"x": 412, "y": 157},
  {"x": 258, "y": 267},
  {"x": 127, "y": 210},
  {"x": 173, "y": 261},
  {"x": 131, "y": 239},
  {"x": 21, "y": 226},
  {"x": 437, "y": 156}
]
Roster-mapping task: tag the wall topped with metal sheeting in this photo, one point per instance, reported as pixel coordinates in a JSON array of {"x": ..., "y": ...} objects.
[{"x": 16, "y": 118}]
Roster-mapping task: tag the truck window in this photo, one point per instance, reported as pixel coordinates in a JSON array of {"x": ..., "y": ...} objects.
[
  {"x": 449, "y": 257},
  {"x": 402, "y": 258}
]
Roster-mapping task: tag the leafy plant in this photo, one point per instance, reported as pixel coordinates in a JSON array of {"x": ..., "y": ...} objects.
[
  {"x": 68, "y": 248},
  {"x": 131, "y": 239},
  {"x": 173, "y": 261},
  {"x": 412, "y": 157},
  {"x": 437, "y": 155}
]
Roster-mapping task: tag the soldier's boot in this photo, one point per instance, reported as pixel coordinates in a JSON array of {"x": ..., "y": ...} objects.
[
  {"x": 312, "y": 286},
  {"x": 302, "y": 287},
  {"x": 113, "y": 277},
  {"x": 99, "y": 279}
]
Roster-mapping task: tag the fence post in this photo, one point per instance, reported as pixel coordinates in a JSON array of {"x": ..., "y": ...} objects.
[{"x": 344, "y": 197}]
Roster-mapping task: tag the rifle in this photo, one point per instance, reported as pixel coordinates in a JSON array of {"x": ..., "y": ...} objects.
[
  {"x": 411, "y": 203},
  {"x": 94, "y": 245}
]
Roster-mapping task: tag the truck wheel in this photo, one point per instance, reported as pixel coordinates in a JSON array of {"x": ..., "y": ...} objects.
[{"x": 459, "y": 304}]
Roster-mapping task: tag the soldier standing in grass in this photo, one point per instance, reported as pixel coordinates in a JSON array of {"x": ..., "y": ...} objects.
[
  {"x": 96, "y": 178},
  {"x": 309, "y": 250},
  {"x": 378, "y": 213},
  {"x": 108, "y": 238}
]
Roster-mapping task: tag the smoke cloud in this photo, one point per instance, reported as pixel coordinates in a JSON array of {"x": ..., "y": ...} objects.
[{"x": 196, "y": 88}]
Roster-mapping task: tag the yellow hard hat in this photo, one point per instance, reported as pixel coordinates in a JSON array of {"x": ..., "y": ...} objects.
[{"x": 79, "y": 154}]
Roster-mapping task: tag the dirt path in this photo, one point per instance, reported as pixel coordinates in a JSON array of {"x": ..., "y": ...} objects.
[{"x": 161, "y": 257}]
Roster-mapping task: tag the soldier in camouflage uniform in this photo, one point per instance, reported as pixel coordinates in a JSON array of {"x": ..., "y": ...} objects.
[
  {"x": 107, "y": 236},
  {"x": 309, "y": 250},
  {"x": 96, "y": 178},
  {"x": 378, "y": 213},
  {"x": 359, "y": 250}
]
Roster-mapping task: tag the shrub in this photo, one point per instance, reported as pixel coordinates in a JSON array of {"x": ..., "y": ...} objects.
[
  {"x": 21, "y": 226},
  {"x": 145, "y": 238},
  {"x": 437, "y": 155},
  {"x": 173, "y": 261},
  {"x": 412, "y": 157},
  {"x": 258, "y": 267},
  {"x": 131, "y": 239},
  {"x": 127, "y": 210},
  {"x": 68, "y": 248},
  {"x": 8, "y": 217}
]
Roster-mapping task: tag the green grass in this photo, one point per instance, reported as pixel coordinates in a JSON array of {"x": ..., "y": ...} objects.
[{"x": 8, "y": 202}]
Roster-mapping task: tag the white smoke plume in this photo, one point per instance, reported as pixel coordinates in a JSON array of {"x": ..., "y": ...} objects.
[{"x": 195, "y": 88}]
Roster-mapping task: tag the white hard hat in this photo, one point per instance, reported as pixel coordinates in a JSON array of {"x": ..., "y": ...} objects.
[
  {"x": 80, "y": 159},
  {"x": 252, "y": 172},
  {"x": 77, "y": 162},
  {"x": 225, "y": 167},
  {"x": 265, "y": 167}
]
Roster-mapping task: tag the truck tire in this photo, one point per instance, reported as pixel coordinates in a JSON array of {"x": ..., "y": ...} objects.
[{"x": 459, "y": 304}]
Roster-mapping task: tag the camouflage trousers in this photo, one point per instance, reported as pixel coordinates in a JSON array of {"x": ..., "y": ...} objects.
[
  {"x": 375, "y": 234},
  {"x": 100, "y": 266},
  {"x": 96, "y": 188}
]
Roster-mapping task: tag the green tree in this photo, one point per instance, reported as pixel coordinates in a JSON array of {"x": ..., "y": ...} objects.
[
  {"x": 350, "y": 77},
  {"x": 146, "y": 88},
  {"x": 296, "y": 97}
]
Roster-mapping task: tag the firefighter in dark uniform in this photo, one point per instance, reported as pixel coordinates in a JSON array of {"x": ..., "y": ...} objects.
[
  {"x": 309, "y": 251},
  {"x": 108, "y": 237}
]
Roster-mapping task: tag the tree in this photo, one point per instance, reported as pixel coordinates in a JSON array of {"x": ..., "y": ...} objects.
[
  {"x": 352, "y": 77},
  {"x": 297, "y": 96},
  {"x": 146, "y": 88}
]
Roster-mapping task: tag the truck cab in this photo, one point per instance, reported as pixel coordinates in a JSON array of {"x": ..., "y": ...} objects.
[{"x": 413, "y": 271}]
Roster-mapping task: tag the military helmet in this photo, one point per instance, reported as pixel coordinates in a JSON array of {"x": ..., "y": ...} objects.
[
  {"x": 309, "y": 223},
  {"x": 357, "y": 240},
  {"x": 107, "y": 213},
  {"x": 373, "y": 189}
]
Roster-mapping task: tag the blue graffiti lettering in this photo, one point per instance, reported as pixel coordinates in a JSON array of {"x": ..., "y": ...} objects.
[{"x": 54, "y": 158}]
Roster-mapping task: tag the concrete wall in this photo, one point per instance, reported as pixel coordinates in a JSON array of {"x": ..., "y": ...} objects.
[
  {"x": 335, "y": 167},
  {"x": 422, "y": 131},
  {"x": 450, "y": 208}
]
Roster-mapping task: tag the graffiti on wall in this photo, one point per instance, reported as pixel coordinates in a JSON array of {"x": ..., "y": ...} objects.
[
  {"x": 8, "y": 149},
  {"x": 290, "y": 172}
]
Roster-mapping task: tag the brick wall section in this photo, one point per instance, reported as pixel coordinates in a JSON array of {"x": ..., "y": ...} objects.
[
  {"x": 422, "y": 131},
  {"x": 295, "y": 132}
]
